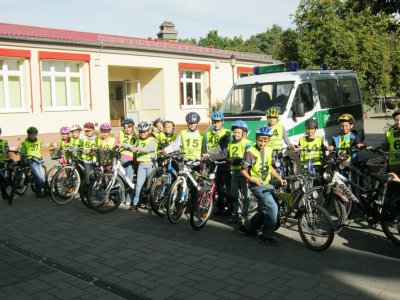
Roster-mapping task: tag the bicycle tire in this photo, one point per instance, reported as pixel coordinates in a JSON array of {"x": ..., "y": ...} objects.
[
  {"x": 22, "y": 185},
  {"x": 14, "y": 185},
  {"x": 97, "y": 198},
  {"x": 159, "y": 195},
  {"x": 65, "y": 185},
  {"x": 50, "y": 173},
  {"x": 315, "y": 225},
  {"x": 202, "y": 208},
  {"x": 6, "y": 181},
  {"x": 390, "y": 220},
  {"x": 337, "y": 210},
  {"x": 177, "y": 202},
  {"x": 84, "y": 188}
]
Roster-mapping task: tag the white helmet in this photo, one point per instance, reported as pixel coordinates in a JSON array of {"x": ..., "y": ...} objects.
[
  {"x": 144, "y": 126},
  {"x": 75, "y": 127}
]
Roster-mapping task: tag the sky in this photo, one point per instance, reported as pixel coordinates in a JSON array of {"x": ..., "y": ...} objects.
[{"x": 192, "y": 19}]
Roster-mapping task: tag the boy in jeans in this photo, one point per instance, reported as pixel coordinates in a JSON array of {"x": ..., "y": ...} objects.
[{"x": 257, "y": 169}]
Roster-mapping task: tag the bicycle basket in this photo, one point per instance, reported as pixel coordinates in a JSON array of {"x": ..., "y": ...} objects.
[
  {"x": 55, "y": 154},
  {"x": 105, "y": 157}
]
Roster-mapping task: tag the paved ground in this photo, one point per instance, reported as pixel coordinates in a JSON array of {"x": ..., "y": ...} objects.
[{"x": 71, "y": 252}]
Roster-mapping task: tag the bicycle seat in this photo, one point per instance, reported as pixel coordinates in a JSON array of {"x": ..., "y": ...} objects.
[{"x": 381, "y": 177}]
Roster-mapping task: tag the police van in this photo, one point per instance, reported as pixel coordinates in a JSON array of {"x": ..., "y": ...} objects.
[{"x": 298, "y": 95}]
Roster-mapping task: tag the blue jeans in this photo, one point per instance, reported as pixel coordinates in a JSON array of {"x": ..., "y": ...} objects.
[
  {"x": 267, "y": 214},
  {"x": 142, "y": 174},
  {"x": 239, "y": 185},
  {"x": 128, "y": 166},
  {"x": 38, "y": 176}
]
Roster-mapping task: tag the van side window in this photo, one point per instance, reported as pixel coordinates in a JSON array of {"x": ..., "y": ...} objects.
[
  {"x": 349, "y": 91},
  {"x": 328, "y": 93},
  {"x": 304, "y": 95}
]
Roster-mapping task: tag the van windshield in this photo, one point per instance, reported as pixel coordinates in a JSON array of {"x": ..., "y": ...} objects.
[{"x": 255, "y": 99}]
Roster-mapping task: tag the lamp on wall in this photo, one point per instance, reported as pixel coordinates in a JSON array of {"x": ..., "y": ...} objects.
[{"x": 232, "y": 61}]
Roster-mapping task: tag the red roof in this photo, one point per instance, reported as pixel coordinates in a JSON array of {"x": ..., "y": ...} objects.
[{"x": 96, "y": 38}]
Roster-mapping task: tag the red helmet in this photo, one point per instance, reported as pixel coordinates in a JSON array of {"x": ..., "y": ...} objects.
[{"x": 88, "y": 125}]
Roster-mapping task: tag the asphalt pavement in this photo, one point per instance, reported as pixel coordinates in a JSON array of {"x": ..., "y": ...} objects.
[{"x": 48, "y": 251}]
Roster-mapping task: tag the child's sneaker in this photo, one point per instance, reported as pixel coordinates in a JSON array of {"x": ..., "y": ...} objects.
[{"x": 268, "y": 242}]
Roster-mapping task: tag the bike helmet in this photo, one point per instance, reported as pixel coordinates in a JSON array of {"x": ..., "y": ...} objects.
[
  {"x": 312, "y": 123},
  {"x": 75, "y": 127},
  {"x": 273, "y": 112},
  {"x": 158, "y": 120},
  {"x": 346, "y": 118},
  {"x": 64, "y": 130},
  {"x": 263, "y": 130},
  {"x": 192, "y": 118},
  {"x": 143, "y": 126},
  {"x": 394, "y": 115},
  {"x": 217, "y": 116},
  {"x": 105, "y": 127},
  {"x": 32, "y": 130},
  {"x": 88, "y": 125},
  {"x": 168, "y": 121},
  {"x": 240, "y": 124},
  {"x": 127, "y": 121}
]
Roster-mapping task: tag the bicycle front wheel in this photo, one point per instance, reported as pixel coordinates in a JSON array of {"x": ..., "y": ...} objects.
[
  {"x": 159, "y": 195},
  {"x": 390, "y": 220},
  {"x": 337, "y": 210},
  {"x": 106, "y": 193},
  {"x": 177, "y": 201},
  {"x": 202, "y": 208},
  {"x": 50, "y": 173},
  {"x": 65, "y": 185},
  {"x": 316, "y": 228}
]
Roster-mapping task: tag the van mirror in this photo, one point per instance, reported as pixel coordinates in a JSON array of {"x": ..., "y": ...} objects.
[{"x": 299, "y": 110}]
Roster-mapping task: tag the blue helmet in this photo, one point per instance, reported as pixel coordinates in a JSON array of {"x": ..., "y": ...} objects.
[
  {"x": 240, "y": 124},
  {"x": 217, "y": 116},
  {"x": 264, "y": 130},
  {"x": 127, "y": 121}
]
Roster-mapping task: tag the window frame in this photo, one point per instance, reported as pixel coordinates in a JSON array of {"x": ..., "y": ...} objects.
[{"x": 204, "y": 82}]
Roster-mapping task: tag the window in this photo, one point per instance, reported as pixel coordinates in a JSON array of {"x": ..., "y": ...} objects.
[
  {"x": 349, "y": 91},
  {"x": 191, "y": 88},
  {"x": 328, "y": 93},
  {"x": 62, "y": 86},
  {"x": 11, "y": 86},
  {"x": 304, "y": 95}
]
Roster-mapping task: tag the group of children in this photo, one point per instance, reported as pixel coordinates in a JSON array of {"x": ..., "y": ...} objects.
[{"x": 249, "y": 165}]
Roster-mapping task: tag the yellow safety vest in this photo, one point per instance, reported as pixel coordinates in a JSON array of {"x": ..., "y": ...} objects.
[
  {"x": 87, "y": 145},
  {"x": 127, "y": 139},
  {"x": 164, "y": 141},
  {"x": 3, "y": 144},
  {"x": 145, "y": 156},
  {"x": 191, "y": 145},
  {"x": 276, "y": 140},
  {"x": 213, "y": 139},
  {"x": 260, "y": 171},
  {"x": 394, "y": 147},
  {"x": 315, "y": 146},
  {"x": 237, "y": 150},
  {"x": 105, "y": 144},
  {"x": 32, "y": 149}
]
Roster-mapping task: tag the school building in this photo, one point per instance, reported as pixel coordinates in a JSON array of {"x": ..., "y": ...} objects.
[{"x": 51, "y": 78}]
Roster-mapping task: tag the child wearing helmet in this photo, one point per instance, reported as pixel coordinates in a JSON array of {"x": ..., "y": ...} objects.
[
  {"x": 63, "y": 143},
  {"x": 166, "y": 137},
  {"x": 313, "y": 146},
  {"x": 145, "y": 150},
  {"x": 105, "y": 141},
  {"x": 89, "y": 141},
  {"x": 189, "y": 141},
  {"x": 346, "y": 138},
  {"x": 75, "y": 140},
  {"x": 257, "y": 168},
  {"x": 30, "y": 148},
  {"x": 4, "y": 148},
  {"x": 234, "y": 154},
  {"x": 158, "y": 127},
  {"x": 127, "y": 138},
  {"x": 279, "y": 133}
]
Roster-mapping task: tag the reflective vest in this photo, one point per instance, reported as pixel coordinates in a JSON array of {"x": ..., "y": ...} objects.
[
  {"x": 75, "y": 143},
  {"x": 127, "y": 139},
  {"x": 87, "y": 145},
  {"x": 213, "y": 139},
  {"x": 164, "y": 140},
  {"x": 262, "y": 167},
  {"x": 105, "y": 144},
  {"x": 394, "y": 147},
  {"x": 32, "y": 149},
  {"x": 145, "y": 156},
  {"x": 344, "y": 141},
  {"x": 237, "y": 150},
  {"x": 191, "y": 145},
  {"x": 315, "y": 146},
  {"x": 3, "y": 146},
  {"x": 276, "y": 140},
  {"x": 64, "y": 144}
]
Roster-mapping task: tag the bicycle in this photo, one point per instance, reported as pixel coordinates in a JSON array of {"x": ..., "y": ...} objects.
[
  {"x": 314, "y": 222},
  {"x": 107, "y": 190},
  {"x": 55, "y": 154},
  {"x": 6, "y": 177}
]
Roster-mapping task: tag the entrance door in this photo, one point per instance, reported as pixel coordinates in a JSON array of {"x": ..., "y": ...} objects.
[{"x": 132, "y": 100}]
